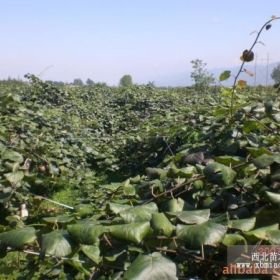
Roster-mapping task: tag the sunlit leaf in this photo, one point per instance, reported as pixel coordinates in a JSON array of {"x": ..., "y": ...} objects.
[
  {"x": 139, "y": 213},
  {"x": 234, "y": 239},
  {"x": 161, "y": 225},
  {"x": 12, "y": 156},
  {"x": 207, "y": 233},
  {"x": 56, "y": 243},
  {"x": 273, "y": 197},
  {"x": 134, "y": 232},
  {"x": 193, "y": 216},
  {"x": 152, "y": 267},
  {"x": 219, "y": 174},
  {"x": 92, "y": 251},
  {"x": 17, "y": 238},
  {"x": 86, "y": 233},
  {"x": 243, "y": 224},
  {"x": 263, "y": 232}
]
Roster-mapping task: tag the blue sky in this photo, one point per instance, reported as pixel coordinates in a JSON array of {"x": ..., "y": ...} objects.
[{"x": 153, "y": 40}]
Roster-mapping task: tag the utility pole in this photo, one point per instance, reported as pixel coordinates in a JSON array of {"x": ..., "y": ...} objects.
[
  {"x": 267, "y": 64},
  {"x": 255, "y": 70},
  {"x": 265, "y": 61}
]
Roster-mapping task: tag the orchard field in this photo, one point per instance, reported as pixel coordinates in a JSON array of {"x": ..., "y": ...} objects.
[{"x": 134, "y": 182}]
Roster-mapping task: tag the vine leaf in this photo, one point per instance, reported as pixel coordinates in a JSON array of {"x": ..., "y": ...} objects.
[
  {"x": 193, "y": 216},
  {"x": 207, "y": 233},
  {"x": 134, "y": 232},
  {"x": 17, "y": 238},
  {"x": 234, "y": 239},
  {"x": 139, "y": 213},
  {"x": 56, "y": 243},
  {"x": 225, "y": 75},
  {"x": 153, "y": 266},
  {"x": 243, "y": 224},
  {"x": 220, "y": 174},
  {"x": 86, "y": 233},
  {"x": 161, "y": 225},
  {"x": 92, "y": 251}
]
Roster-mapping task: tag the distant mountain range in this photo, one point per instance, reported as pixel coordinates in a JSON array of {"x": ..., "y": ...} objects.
[{"x": 261, "y": 77}]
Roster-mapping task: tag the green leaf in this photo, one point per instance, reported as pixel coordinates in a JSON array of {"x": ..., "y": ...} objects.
[
  {"x": 243, "y": 224},
  {"x": 152, "y": 267},
  {"x": 92, "y": 252},
  {"x": 56, "y": 243},
  {"x": 17, "y": 238},
  {"x": 252, "y": 126},
  {"x": 15, "y": 177},
  {"x": 139, "y": 213},
  {"x": 185, "y": 172},
  {"x": 220, "y": 174},
  {"x": 5, "y": 194},
  {"x": 273, "y": 197},
  {"x": 222, "y": 219},
  {"x": 229, "y": 160},
  {"x": 256, "y": 152},
  {"x": 194, "y": 158},
  {"x": 207, "y": 233},
  {"x": 263, "y": 232},
  {"x": 175, "y": 205},
  {"x": 273, "y": 237},
  {"x": 193, "y": 216},
  {"x": 161, "y": 225},
  {"x": 117, "y": 208},
  {"x": 86, "y": 233},
  {"x": 129, "y": 190},
  {"x": 275, "y": 173},
  {"x": 134, "y": 232},
  {"x": 84, "y": 209},
  {"x": 225, "y": 75},
  {"x": 155, "y": 173},
  {"x": 113, "y": 255},
  {"x": 12, "y": 156},
  {"x": 234, "y": 239},
  {"x": 265, "y": 160}
]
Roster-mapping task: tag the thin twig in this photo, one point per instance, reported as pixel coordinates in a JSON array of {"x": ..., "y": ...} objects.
[
  {"x": 50, "y": 256},
  {"x": 243, "y": 63},
  {"x": 178, "y": 186},
  {"x": 168, "y": 147},
  {"x": 52, "y": 201}
]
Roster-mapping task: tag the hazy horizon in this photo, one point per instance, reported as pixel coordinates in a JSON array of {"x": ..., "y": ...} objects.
[{"x": 150, "y": 40}]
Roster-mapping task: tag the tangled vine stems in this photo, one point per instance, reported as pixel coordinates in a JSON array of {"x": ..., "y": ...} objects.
[{"x": 266, "y": 26}]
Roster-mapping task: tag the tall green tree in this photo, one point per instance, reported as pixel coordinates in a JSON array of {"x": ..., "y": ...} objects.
[
  {"x": 275, "y": 75},
  {"x": 78, "y": 82},
  {"x": 126, "y": 81},
  {"x": 89, "y": 82},
  {"x": 201, "y": 77}
]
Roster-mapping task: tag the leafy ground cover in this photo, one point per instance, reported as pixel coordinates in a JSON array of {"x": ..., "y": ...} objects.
[{"x": 151, "y": 183}]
